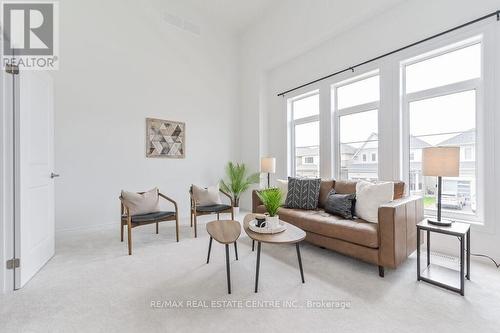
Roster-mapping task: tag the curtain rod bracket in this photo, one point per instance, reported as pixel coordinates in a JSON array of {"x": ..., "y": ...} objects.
[{"x": 352, "y": 69}]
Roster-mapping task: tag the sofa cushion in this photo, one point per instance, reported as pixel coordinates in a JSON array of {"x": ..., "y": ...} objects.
[
  {"x": 399, "y": 190},
  {"x": 324, "y": 190},
  {"x": 303, "y": 193},
  {"x": 355, "y": 231},
  {"x": 349, "y": 186},
  {"x": 345, "y": 186},
  {"x": 341, "y": 204},
  {"x": 370, "y": 196}
]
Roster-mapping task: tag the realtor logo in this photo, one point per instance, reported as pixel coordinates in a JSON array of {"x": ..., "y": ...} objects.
[{"x": 30, "y": 35}]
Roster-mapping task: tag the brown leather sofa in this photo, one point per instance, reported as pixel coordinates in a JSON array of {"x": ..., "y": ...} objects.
[{"x": 386, "y": 244}]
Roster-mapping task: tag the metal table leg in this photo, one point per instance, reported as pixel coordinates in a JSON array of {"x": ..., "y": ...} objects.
[
  {"x": 258, "y": 266},
  {"x": 468, "y": 254},
  {"x": 462, "y": 264},
  {"x": 228, "y": 270},
  {"x": 428, "y": 248},
  {"x": 418, "y": 254},
  {"x": 300, "y": 262},
  {"x": 209, "y": 248},
  {"x": 236, "y": 250}
]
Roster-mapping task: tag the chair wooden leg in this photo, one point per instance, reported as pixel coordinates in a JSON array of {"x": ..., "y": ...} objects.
[
  {"x": 121, "y": 231},
  {"x": 156, "y": 227},
  {"x": 232, "y": 214},
  {"x": 129, "y": 229},
  {"x": 191, "y": 214},
  {"x": 195, "y": 225}
]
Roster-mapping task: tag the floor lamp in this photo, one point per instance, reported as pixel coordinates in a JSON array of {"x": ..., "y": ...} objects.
[
  {"x": 440, "y": 162},
  {"x": 268, "y": 165}
]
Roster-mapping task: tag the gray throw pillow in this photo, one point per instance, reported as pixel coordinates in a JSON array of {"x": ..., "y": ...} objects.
[
  {"x": 341, "y": 204},
  {"x": 303, "y": 193}
]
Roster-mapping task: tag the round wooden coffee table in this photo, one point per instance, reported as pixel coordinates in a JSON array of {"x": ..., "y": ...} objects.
[{"x": 292, "y": 235}]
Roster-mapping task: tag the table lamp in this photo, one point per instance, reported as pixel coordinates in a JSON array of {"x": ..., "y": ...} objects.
[
  {"x": 440, "y": 162},
  {"x": 268, "y": 165}
]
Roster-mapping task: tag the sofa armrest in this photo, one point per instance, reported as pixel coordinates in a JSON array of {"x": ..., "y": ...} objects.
[
  {"x": 255, "y": 201},
  {"x": 397, "y": 229}
]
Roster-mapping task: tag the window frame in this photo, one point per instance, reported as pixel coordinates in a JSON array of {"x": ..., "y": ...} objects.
[
  {"x": 291, "y": 129},
  {"x": 477, "y": 85},
  {"x": 338, "y": 113}
]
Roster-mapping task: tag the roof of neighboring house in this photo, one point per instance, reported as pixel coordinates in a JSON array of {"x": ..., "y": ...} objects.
[
  {"x": 370, "y": 143},
  {"x": 348, "y": 149},
  {"x": 464, "y": 138},
  {"x": 417, "y": 143}
]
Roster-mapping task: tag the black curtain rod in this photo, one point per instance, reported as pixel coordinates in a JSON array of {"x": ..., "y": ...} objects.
[{"x": 497, "y": 14}]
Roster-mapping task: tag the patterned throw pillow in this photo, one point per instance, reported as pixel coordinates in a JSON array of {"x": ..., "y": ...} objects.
[
  {"x": 303, "y": 193},
  {"x": 341, "y": 204}
]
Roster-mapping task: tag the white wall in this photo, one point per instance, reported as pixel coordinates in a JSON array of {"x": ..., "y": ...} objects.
[
  {"x": 300, "y": 43},
  {"x": 119, "y": 64}
]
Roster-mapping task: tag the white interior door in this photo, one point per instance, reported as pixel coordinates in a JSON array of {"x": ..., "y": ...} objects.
[{"x": 34, "y": 194}]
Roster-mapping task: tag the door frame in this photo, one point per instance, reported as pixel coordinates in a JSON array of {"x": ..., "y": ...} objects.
[{"x": 7, "y": 277}]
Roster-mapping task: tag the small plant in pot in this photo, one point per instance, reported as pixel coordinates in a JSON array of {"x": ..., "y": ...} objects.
[
  {"x": 238, "y": 182},
  {"x": 271, "y": 198}
]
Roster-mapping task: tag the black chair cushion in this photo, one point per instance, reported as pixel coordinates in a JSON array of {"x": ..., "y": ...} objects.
[
  {"x": 151, "y": 217},
  {"x": 212, "y": 208}
]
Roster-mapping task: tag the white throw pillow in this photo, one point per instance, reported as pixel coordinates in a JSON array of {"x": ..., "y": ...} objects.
[
  {"x": 148, "y": 202},
  {"x": 206, "y": 196},
  {"x": 282, "y": 185},
  {"x": 369, "y": 197}
]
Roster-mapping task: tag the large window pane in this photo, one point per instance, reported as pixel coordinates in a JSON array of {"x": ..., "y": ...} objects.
[
  {"x": 306, "y": 107},
  {"x": 448, "y": 120},
  {"x": 456, "y": 66},
  {"x": 359, "y": 92},
  {"x": 307, "y": 150},
  {"x": 359, "y": 145}
]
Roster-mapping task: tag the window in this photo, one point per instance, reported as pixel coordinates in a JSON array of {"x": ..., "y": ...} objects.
[
  {"x": 308, "y": 160},
  {"x": 356, "y": 111},
  {"x": 304, "y": 135},
  {"x": 441, "y": 108}
]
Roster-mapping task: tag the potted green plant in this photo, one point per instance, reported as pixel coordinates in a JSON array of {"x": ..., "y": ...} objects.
[
  {"x": 238, "y": 182},
  {"x": 271, "y": 198}
]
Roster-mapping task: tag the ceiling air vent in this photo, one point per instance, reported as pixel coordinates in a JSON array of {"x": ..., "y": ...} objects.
[{"x": 182, "y": 23}]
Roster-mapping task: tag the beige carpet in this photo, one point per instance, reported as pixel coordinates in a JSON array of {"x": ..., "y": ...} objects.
[{"x": 92, "y": 285}]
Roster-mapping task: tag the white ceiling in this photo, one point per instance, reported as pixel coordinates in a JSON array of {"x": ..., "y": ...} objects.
[{"x": 234, "y": 15}]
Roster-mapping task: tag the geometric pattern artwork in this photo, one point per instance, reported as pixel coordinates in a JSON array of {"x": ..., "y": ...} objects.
[{"x": 165, "y": 138}]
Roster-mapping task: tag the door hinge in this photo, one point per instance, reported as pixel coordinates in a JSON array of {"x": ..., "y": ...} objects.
[
  {"x": 12, "y": 69},
  {"x": 13, "y": 263}
]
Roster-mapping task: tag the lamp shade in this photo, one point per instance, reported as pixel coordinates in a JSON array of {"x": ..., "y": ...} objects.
[
  {"x": 441, "y": 161},
  {"x": 268, "y": 165}
]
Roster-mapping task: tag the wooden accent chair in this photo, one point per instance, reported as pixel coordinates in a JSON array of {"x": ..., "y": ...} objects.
[
  {"x": 197, "y": 210},
  {"x": 132, "y": 221}
]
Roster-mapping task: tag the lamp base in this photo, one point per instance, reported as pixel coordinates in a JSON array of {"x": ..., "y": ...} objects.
[{"x": 442, "y": 223}]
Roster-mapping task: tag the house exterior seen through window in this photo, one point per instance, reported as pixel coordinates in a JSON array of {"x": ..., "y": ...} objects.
[{"x": 441, "y": 105}]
